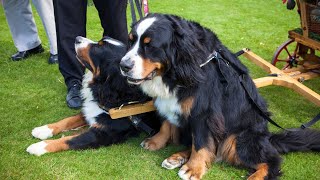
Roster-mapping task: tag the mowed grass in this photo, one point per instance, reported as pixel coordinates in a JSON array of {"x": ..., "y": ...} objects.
[{"x": 32, "y": 93}]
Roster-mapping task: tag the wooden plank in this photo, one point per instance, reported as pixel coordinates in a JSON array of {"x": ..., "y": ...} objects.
[
  {"x": 130, "y": 110},
  {"x": 261, "y": 62},
  {"x": 306, "y": 76},
  {"x": 264, "y": 81},
  {"x": 307, "y": 93},
  {"x": 304, "y": 17},
  {"x": 313, "y": 44},
  {"x": 299, "y": 88},
  {"x": 284, "y": 79}
]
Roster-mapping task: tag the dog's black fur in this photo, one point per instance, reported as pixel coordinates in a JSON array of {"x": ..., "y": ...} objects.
[
  {"x": 109, "y": 90},
  {"x": 173, "y": 49},
  {"x": 103, "y": 88}
]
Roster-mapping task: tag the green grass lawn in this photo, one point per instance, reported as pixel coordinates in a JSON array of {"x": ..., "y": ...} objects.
[{"x": 32, "y": 93}]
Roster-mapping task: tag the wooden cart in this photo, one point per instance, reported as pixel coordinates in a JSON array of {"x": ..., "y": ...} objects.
[{"x": 301, "y": 51}]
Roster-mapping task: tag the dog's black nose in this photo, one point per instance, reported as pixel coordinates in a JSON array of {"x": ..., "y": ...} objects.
[
  {"x": 78, "y": 40},
  {"x": 126, "y": 65}
]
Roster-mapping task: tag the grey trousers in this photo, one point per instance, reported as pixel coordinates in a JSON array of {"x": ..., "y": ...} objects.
[{"x": 22, "y": 25}]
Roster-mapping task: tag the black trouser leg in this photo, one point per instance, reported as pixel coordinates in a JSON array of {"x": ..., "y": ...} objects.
[
  {"x": 70, "y": 17},
  {"x": 113, "y": 18}
]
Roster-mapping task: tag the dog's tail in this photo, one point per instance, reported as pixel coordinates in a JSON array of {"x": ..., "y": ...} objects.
[{"x": 300, "y": 140}]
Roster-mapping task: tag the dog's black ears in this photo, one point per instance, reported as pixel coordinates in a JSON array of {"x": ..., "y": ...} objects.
[{"x": 186, "y": 57}]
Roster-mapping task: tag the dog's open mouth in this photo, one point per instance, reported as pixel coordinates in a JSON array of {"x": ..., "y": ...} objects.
[{"x": 139, "y": 81}]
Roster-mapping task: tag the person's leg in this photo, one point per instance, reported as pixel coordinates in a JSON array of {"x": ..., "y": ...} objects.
[
  {"x": 22, "y": 25},
  {"x": 70, "y": 19},
  {"x": 45, "y": 10},
  {"x": 113, "y": 18}
]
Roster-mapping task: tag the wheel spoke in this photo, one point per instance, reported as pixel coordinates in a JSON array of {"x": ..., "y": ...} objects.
[
  {"x": 286, "y": 66},
  {"x": 287, "y": 51},
  {"x": 281, "y": 60}
]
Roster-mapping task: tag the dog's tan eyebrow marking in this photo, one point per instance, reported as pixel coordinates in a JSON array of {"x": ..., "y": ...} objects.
[
  {"x": 100, "y": 43},
  {"x": 130, "y": 36},
  {"x": 146, "y": 40}
]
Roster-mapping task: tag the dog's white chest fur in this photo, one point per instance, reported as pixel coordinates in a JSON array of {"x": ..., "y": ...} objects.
[
  {"x": 165, "y": 101},
  {"x": 90, "y": 108}
]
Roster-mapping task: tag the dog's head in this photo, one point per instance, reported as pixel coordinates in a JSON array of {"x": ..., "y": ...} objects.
[
  {"x": 162, "y": 45},
  {"x": 95, "y": 55}
]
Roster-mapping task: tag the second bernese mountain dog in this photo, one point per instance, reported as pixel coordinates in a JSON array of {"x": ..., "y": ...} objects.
[
  {"x": 168, "y": 59},
  {"x": 103, "y": 88}
]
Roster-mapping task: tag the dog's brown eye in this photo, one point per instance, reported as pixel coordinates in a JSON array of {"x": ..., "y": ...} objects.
[
  {"x": 100, "y": 42},
  {"x": 146, "y": 40}
]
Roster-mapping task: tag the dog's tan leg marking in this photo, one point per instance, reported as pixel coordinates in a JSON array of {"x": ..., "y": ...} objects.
[
  {"x": 227, "y": 151},
  {"x": 49, "y": 146},
  {"x": 200, "y": 161},
  {"x": 176, "y": 160},
  {"x": 58, "y": 144},
  {"x": 160, "y": 140},
  {"x": 47, "y": 131},
  {"x": 261, "y": 173},
  {"x": 186, "y": 106},
  {"x": 67, "y": 124}
]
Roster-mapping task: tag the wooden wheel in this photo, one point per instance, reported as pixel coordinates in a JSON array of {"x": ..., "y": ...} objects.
[{"x": 286, "y": 56}]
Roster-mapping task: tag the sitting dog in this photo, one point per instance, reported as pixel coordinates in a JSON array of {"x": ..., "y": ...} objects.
[
  {"x": 197, "y": 84},
  {"x": 103, "y": 88}
]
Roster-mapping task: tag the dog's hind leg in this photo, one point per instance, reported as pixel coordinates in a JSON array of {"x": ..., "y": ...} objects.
[
  {"x": 47, "y": 131},
  {"x": 255, "y": 151}
]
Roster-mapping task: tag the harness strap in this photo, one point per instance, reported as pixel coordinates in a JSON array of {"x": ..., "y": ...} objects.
[
  {"x": 139, "y": 124},
  {"x": 241, "y": 79},
  {"x": 138, "y": 4},
  {"x": 133, "y": 12},
  {"x": 310, "y": 123}
]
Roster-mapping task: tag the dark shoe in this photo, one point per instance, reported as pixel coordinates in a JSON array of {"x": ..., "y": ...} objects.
[
  {"x": 53, "y": 59},
  {"x": 73, "y": 97},
  {"x": 24, "y": 54}
]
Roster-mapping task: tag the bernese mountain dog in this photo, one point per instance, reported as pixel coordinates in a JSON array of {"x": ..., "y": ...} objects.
[
  {"x": 169, "y": 60},
  {"x": 103, "y": 88}
]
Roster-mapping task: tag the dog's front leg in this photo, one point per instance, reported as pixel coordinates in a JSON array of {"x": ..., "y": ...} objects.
[
  {"x": 166, "y": 133},
  {"x": 50, "y": 146},
  {"x": 49, "y": 130},
  {"x": 200, "y": 161}
]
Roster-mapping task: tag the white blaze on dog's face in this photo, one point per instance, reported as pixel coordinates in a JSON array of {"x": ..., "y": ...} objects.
[
  {"x": 82, "y": 43},
  {"x": 134, "y": 66}
]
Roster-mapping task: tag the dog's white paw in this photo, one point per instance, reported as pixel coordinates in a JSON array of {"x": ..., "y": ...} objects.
[
  {"x": 173, "y": 163},
  {"x": 37, "y": 149},
  {"x": 42, "y": 132},
  {"x": 183, "y": 175},
  {"x": 170, "y": 165}
]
